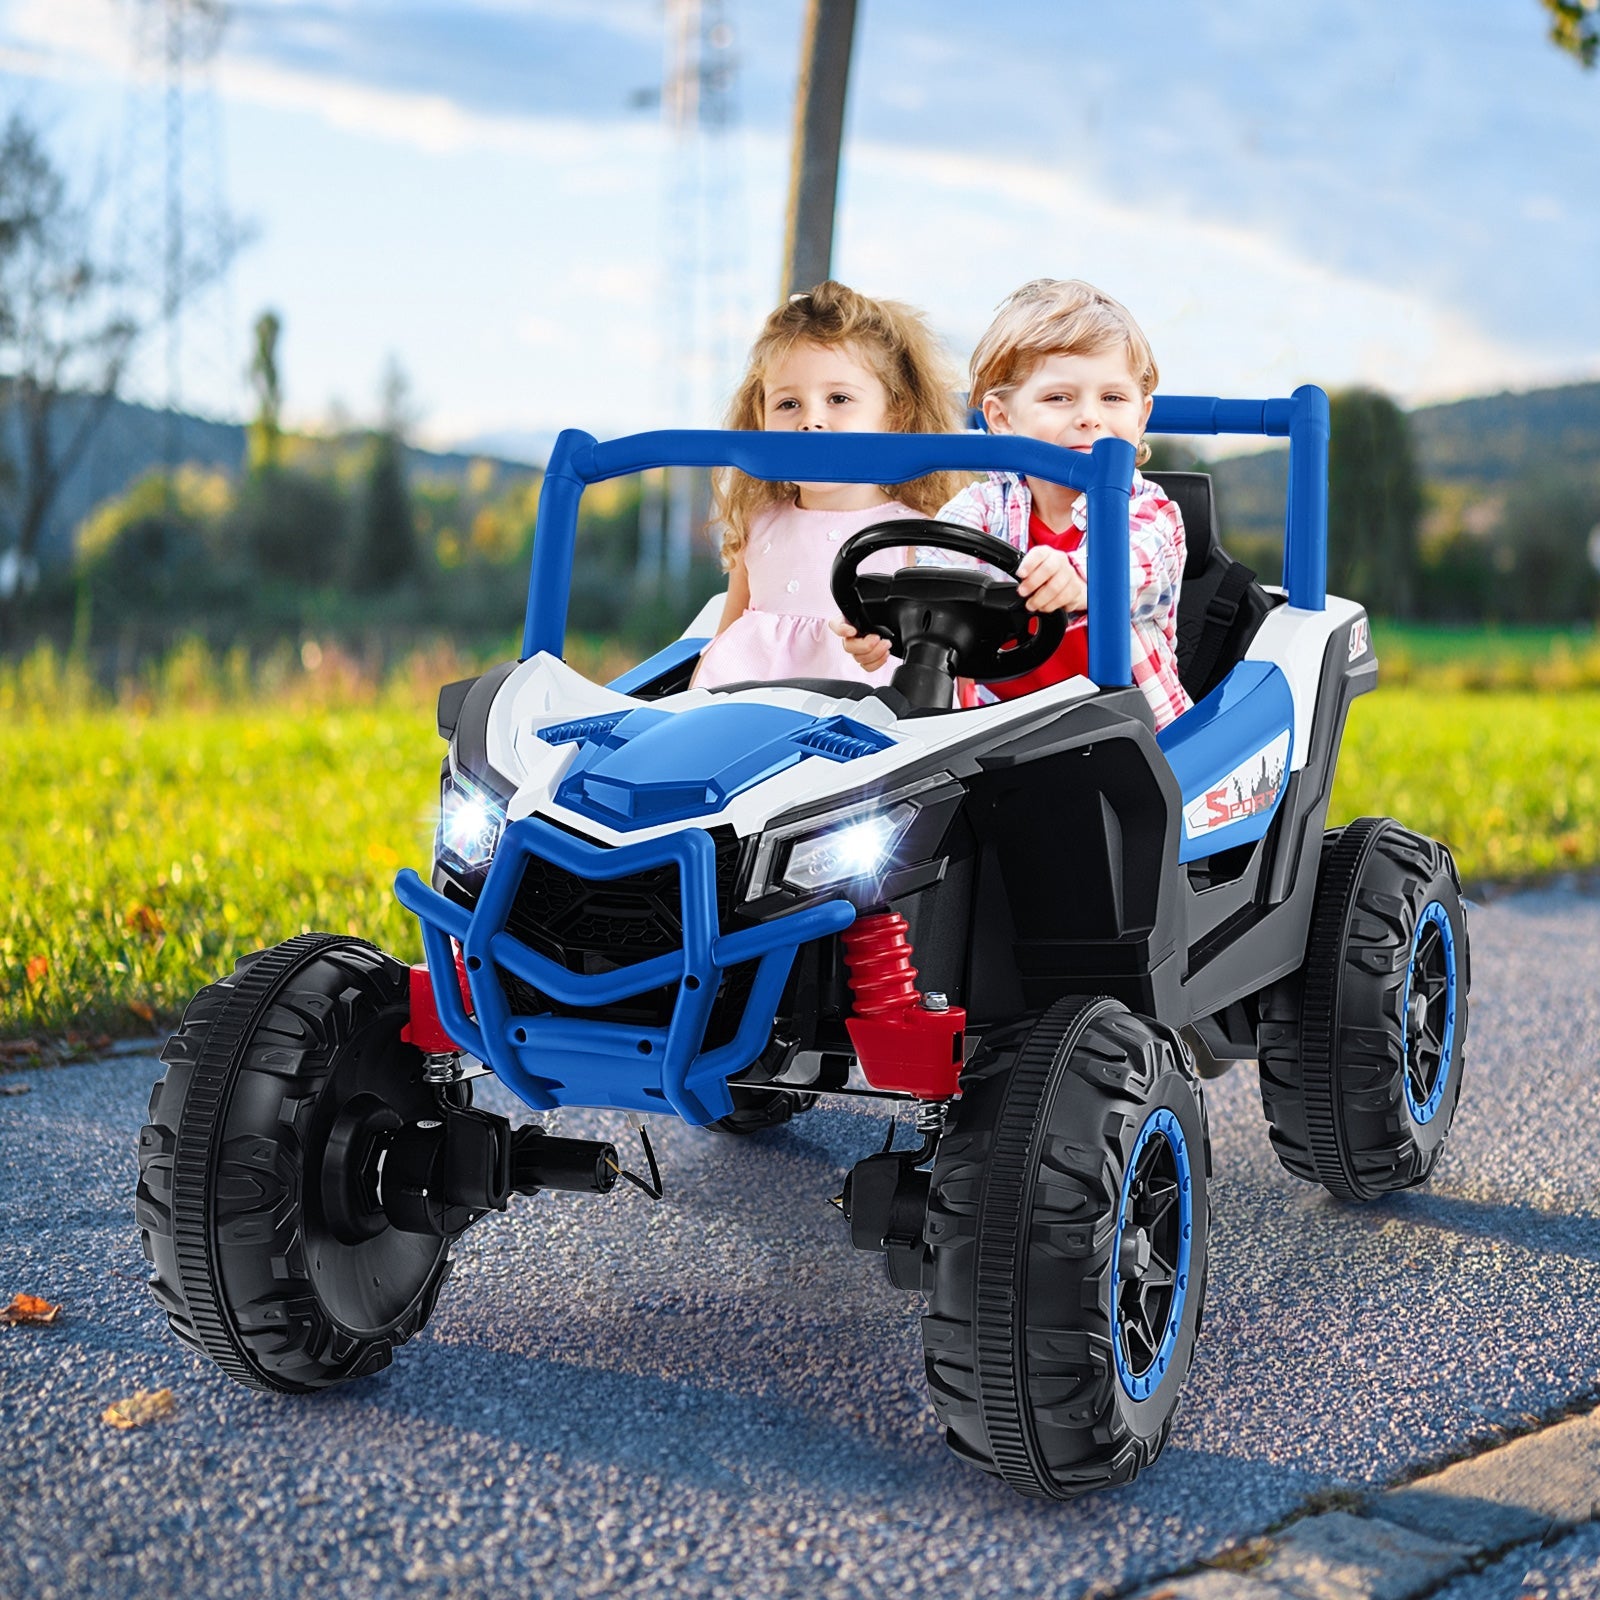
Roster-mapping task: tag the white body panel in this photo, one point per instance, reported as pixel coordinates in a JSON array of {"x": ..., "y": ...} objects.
[
  {"x": 706, "y": 618},
  {"x": 544, "y": 690},
  {"x": 1295, "y": 641}
]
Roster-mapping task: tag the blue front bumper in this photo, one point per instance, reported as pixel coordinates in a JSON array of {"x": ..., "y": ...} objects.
[{"x": 554, "y": 1061}]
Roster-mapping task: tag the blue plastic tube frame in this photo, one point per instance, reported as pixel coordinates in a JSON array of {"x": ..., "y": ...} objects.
[
  {"x": 1105, "y": 476},
  {"x": 551, "y": 1061},
  {"x": 1302, "y": 419}
]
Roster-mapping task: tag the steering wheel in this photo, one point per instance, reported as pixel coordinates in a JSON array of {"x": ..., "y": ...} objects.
[{"x": 944, "y": 621}]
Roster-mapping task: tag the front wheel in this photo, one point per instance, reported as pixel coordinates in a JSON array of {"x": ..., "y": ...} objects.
[
  {"x": 1361, "y": 1049},
  {"x": 271, "y": 1254},
  {"x": 1066, "y": 1229}
]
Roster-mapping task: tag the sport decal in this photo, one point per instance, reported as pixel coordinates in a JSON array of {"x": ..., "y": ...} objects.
[
  {"x": 1250, "y": 788},
  {"x": 1358, "y": 639}
]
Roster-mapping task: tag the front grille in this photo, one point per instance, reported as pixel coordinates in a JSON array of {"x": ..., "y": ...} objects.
[
  {"x": 593, "y": 925},
  {"x": 596, "y": 925}
]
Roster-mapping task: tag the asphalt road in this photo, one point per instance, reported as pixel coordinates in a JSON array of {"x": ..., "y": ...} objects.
[{"x": 716, "y": 1395}]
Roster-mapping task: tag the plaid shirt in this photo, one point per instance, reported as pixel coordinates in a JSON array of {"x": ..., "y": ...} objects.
[{"x": 1002, "y": 506}]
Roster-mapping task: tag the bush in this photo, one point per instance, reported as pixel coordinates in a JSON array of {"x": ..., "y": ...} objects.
[
  {"x": 1541, "y": 552},
  {"x": 289, "y": 525}
]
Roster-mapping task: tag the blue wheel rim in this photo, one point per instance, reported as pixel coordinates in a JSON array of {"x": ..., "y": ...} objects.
[
  {"x": 1151, "y": 1254},
  {"x": 1428, "y": 1012}
]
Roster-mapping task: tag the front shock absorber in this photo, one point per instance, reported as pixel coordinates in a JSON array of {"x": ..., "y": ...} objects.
[{"x": 904, "y": 1039}]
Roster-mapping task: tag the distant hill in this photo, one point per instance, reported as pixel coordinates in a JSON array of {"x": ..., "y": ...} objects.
[
  {"x": 1480, "y": 442},
  {"x": 131, "y": 441},
  {"x": 1483, "y": 441}
]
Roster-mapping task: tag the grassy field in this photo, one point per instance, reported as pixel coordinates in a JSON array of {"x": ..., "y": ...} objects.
[
  {"x": 155, "y": 841},
  {"x": 1439, "y": 655}
]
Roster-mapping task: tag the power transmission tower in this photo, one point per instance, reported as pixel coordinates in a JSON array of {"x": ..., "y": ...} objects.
[
  {"x": 175, "y": 236},
  {"x": 702, "y": 280}
]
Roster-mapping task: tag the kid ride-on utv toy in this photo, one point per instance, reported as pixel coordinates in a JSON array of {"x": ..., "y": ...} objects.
[{"x": 708, "y": 903}]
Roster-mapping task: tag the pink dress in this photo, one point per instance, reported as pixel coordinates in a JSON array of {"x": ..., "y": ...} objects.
[{"x": 784, "y": 632}]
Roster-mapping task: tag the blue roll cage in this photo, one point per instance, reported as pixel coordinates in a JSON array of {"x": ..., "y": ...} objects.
[{"x": 1105, "y": 476}]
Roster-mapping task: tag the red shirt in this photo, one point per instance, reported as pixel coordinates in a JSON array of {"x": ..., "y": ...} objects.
[{"x": 1071, "y": 658}]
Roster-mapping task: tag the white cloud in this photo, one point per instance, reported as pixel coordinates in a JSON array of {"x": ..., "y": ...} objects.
[
  {"x": 81, "y": 39},
  {"x": 1230, "y": 310}
]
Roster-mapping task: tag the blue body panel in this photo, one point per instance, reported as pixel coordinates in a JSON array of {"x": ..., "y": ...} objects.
[
  {"x": 554, "y": 1061},
  {"x": 646, "y": 767},
  {"x": 1239, "y": 720},
  {"x": 664, "y": 660}
]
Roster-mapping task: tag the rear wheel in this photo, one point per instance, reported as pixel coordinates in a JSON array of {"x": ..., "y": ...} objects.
[
  {"x": 1066, "y": 1231},
  {"x": 257, "y": 1211},
  {"x": 1361, "y": 1049}
]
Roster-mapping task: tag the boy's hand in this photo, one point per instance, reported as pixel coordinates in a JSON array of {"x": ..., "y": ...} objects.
[
  {"x": 1048, "y": 582},
  {"x": 869, "y": 651}
]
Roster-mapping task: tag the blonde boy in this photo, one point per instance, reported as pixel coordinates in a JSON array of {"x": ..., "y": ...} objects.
[{"x": 1066, "y": 364}]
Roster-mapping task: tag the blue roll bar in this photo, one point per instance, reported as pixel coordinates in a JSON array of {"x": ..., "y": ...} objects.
[{"x": 1105, "y": 476}]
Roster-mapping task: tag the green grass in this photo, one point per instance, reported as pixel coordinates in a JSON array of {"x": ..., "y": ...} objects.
[
  {"x": 1510, "y": 781},
  {"x": 1437, "y": 643},
  {"x": 1438, "y": 656},
  {"x": 152, "y": 851},
  {"x": 152, "y": 848}
]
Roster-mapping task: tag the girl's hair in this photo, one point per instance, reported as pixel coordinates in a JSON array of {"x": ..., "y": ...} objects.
[
  {"x": 895, "y": 342},
  {"x": 1058, "y": 317}
]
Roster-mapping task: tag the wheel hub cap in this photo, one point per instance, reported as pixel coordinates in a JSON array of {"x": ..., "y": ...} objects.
[
  {"x": 1429, "y": 1012},
  {"x": 1155, "y": 1227}
]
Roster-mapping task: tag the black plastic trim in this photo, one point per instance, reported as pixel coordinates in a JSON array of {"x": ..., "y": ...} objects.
[{"x": 469, "y": 745}]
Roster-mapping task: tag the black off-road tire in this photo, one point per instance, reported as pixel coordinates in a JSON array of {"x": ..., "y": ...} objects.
[
  {"x": 1359, "y": 1094},
  {"x": 1024, "y": 1363},
  {"x": 236, "y": 1153}
]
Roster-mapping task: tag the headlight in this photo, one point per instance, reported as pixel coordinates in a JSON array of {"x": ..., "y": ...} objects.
[
  {"x": 471, "y": 821},
  {"x": 858, "y": 849},
  {"x": 852, "y": 844}
]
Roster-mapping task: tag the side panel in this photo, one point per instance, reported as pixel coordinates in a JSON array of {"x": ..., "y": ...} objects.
[
  {"x": 1270, "y": 939},
  {"x": 1076, "y": 828}
]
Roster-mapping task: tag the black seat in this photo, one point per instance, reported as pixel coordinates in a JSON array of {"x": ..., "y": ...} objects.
[{"x": 1220, "y": 605}]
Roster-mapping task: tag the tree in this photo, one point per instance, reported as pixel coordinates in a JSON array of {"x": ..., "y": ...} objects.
[
  {"x": 266, "y": 436},
  {"x": 1543, "y": 572},
  {"x": 386, "y": 543},
  {"x": 1374, "y": 502},
  {"x": 1575, "y": 27},
  {"x": 63, "y": 342}
]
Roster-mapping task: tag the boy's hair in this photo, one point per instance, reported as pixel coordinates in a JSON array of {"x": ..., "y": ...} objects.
[
  {"x": 1058, "y": 317},
  {"x": 890, "y": 338}
]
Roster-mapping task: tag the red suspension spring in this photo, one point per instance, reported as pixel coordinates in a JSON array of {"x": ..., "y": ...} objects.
[{"x": 878, "y": 956}]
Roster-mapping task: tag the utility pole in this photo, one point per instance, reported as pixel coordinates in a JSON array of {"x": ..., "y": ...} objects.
[{"x": 818, "y": 133}]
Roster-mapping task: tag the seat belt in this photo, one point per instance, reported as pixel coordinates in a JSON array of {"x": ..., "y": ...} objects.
[{"x": 1221, "y": 611}]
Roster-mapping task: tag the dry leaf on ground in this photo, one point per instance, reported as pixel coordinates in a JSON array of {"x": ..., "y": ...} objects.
[
  {"x": 28, "y": 1308},
  {"x": 147, "y": 1405}
]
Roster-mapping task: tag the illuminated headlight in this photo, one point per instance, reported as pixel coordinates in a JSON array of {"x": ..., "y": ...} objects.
[
  {"x": 854, "y": 844},
  {"x": 470, "y": 822},
  {"x": 847, "y": 851}
]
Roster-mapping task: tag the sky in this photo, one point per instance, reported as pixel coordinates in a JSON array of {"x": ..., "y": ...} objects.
[{"x": 1334, "y": 191}]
